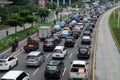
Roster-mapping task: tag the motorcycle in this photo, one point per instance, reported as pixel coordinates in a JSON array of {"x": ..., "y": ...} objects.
[{"x": 14, "y": 46}]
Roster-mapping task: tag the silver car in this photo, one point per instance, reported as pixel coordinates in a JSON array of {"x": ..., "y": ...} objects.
[{"x": 35, "y": 58}]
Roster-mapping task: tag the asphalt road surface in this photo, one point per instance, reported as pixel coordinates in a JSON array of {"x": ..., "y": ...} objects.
[
  {"x": 37, "y": 73},
  {"x": 107, "y": 55}
]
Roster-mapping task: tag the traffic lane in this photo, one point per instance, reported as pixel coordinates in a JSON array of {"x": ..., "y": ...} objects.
[{"x": 107, "y": 55}]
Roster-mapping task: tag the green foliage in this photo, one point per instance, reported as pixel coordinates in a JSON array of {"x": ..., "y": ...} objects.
[
  {"x": 31, "y": 19},
  {"x": 19, "y": 2},
  {"x": 115, "y": 29},
  {"x": 15, "y": 9},
  {"x": 24, "y": 13},
  {"x": 51, "y": 5},
  {"x": 43, "y": 12}
]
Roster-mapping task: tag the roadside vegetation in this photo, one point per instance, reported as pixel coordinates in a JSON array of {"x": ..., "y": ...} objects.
[{"x": 115, "y": 26}]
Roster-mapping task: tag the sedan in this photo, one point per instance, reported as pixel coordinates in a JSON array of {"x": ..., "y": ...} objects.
[
  {"x": 64, "y": 34},
  {"x": 83, "y": 52},
  {"x": 7, "y": 62},
  {"x": 86, "y": 40},
  {"x": 57, "y": 28}
]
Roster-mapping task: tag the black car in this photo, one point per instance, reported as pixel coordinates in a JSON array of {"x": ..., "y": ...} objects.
[
  {"x": 86, "y": 40},
  {"x": 49, "y": 44},
  {"x": 75, "y": 34},
  {"x": 54, "y": 69},
  {"x": 69, "y": 41},
  {"x": 57, "y": 37},
  {"x": 83, "y": 52}
]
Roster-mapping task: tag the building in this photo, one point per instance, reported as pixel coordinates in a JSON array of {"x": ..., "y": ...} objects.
[{"x": 62, "y": 2}]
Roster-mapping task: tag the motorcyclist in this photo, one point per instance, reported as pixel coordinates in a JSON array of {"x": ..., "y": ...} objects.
[{"x": 14, "y": 45}]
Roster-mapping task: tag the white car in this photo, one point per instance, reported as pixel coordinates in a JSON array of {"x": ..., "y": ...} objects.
[
  {"x": 7, "y": 62},
  {"x": 78, "y": 70},
  {"x": 15, "y": 75},
  {"x": 59, "y": 52}
]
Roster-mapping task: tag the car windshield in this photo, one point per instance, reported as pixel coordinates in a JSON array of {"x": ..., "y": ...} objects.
[
  {"x": 57, "y": 51},
  {"x": 2, "y": 61},
  {"x": 68, "y": 39},
  {"x": 48, "y": 42},
  {"x": 51, "y": 67},
  {"x": 31, "y": 57}
]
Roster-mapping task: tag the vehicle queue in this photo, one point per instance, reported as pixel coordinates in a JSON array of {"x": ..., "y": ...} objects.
[{"x": 78, "y": 26}]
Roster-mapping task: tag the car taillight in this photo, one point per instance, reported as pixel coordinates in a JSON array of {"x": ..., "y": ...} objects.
[
  {"x": 56, "y": 71},
  {"x": 5, "y": 63},
  {"x": 46, "y": 71}
]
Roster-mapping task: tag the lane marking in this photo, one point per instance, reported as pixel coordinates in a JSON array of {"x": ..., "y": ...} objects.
[
  {"x": 48, "y": 55},
  {"x": 35, "y": 71},
  {"x": 64, "y": 72},
  {"x": 76, "y": 44},
  {"x": 70, "y": 55}
]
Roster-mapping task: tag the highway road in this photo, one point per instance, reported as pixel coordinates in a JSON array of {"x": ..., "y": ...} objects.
[
  {"x": 107, "y": 55},
  {"x": 37, "y": 73}
]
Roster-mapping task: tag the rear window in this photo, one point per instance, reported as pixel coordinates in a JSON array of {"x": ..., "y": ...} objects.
[
  {"x": 78, "y": 65},
  {"x": 32, "y": 57},
  {"x": 48, "y": 42},
  {"x": 58, "y": 51},
  {"x": 68, "y": 39},
  {"x": 83, "y": 50},
  {"x": 2, "y": 61},
  {"x": 51, "y": 67}
]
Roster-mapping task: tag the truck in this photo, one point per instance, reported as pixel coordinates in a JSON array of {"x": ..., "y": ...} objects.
[
  {"x": 44, "y": 32},
  {"x": 31, "y": 45}
]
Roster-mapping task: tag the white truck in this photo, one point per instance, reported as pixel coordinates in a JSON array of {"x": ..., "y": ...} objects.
[
  {"x": 78, "y": 71},
  {"x": 44, "y": 32}
]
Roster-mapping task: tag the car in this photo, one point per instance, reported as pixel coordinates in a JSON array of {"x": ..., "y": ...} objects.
[
  {"x": 59, "y": 52},
  {"x": 49, "y": 44},
  {"x": 75, "y": 34},
  {"x": 78, "y": 70},
  {"x": 57, "y": 37},
  {"x": 62, "y": 24},
  {"x": 35, "y": 58},
  {"x": 15, "y": 75},
  {"x": 7, "y": 62},
  {"x": 81, "y": 25},
  {"x": 57, "y": 27},
  {"x": 54, "y": 69},
  {"x": 83, "y": 52},
  {"x": 67, "y": 29},
  {"x": 86, "y": 40},
  {"x": 64, "y": 34},
  {"x": 69, "y": 41},
  {"x": 87, "y": 33}
]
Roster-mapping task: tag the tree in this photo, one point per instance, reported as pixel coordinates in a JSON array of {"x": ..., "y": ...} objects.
[
  {"x": 51, "y": 5},
  {"x": 31, "y": 19},
  {"x": 30, "y": 7},
  {"x": 15, "y": 9},
  {"x": 14, "y": 21},
  {"x": 3, "y": 13},
  {"x": 19, "y": 2},
  {"x": 43, "y": 13}
]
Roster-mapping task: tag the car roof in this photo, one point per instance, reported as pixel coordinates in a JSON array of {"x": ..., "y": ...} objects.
[
  {"x": 54, "y": 62},
  {"x": 59, "y": 47},
  {"x": 34, "y": 53},
  {"x": 13, "y": 74},
  {"x": 79, "y": 62}
]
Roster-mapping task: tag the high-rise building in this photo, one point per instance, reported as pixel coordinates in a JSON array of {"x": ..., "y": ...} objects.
[{"x": 62, "y": 2}]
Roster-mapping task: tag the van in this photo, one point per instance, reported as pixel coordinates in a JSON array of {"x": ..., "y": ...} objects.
[
  {"x": 15, "y": 75},
  {"x": 35, "y": 58},
  {"x": 44, "y": 32}
]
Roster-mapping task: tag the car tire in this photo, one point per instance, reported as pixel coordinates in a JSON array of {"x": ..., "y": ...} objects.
[
  {"x": 9, "y": 67},
  {"x": 16, "y": 63}
]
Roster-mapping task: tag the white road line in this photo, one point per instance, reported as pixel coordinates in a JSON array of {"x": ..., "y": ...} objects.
[
  {"x": 48, "y": 55},
  {"x": 70, "y": 55},
  {"x": 64, "y": 72},
  {"x": 19, "y": 53},
  {"x": 5, "y": 51},
  {"x": 75, "y": 44},
  {"x": 35, "y": 71}
]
